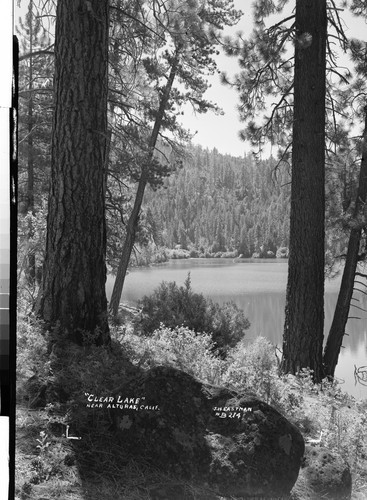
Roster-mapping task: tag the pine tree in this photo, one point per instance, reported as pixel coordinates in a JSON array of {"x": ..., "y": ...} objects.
[
  {"x": 304, "y": 313},
  {"x": 193, "y": 31},
  {"x": 295, "y": 80},
  {"x": 356, "y": 221},
  {"x": 35, "y": 92},
  {"x": 73, "y": 286}
]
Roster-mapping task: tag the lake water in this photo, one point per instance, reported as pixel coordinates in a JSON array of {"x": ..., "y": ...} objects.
[{"x": 257, "y": 287}]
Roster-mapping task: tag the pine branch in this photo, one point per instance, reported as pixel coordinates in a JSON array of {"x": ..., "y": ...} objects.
[
  {"x": 277, "y": 105},
  {"x": 286, "y": 19},
  {"x": 37, "y": 53},
  {"x": 357, "y": 307},
  {"x": 342, "y": 77},
  {"x": 337, "y": 24},
  {"x": 124, "y": 13}
]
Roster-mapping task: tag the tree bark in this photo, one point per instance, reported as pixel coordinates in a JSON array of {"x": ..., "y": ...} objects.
[
  {"x": 132, "y": 224},
  {"x": 31, "y": 266},
  {"x": 337, "y": 329},
  {"x": 304, "y": 312},
  {"x": 73, "y": 287}
]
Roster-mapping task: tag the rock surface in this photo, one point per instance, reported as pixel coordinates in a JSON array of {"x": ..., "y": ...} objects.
[
  {"x": 231, "y": 444},
  {"x": 324, "y": 474}
]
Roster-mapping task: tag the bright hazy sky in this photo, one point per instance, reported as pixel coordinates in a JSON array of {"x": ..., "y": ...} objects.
[{"x": 221, "y": 131}]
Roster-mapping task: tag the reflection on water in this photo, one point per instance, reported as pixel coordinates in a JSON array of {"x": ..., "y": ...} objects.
[{"x": 257, "y": 287}]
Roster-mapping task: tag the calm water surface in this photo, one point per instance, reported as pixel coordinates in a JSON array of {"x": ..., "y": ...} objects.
[{"x": 257, "y": 287}]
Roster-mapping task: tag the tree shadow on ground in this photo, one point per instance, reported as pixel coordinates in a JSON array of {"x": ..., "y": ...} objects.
[{"x": 106, "y": 469}]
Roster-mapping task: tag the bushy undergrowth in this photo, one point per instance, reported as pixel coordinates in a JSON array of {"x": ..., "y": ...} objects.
[
  {"x": 71, "y": 372},
  {"x": 254, "y": 368},
  {"x": 32, "y": 351},
  {"x": 179, "y": 347},
  {"x": 52, "y": 370},
  {"x": 173, "y": 305}
]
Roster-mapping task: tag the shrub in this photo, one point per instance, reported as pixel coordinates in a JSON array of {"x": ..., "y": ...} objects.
[
  {"x": 254, "y": 368},
  {"x": 179, "y": 347},
  {"x": 32, "y": 348},
  {"x": 174, "y": 306},
  {"x": 51, "y": 369},
  {"x": 31, "y": 238},
  {"x": 227, "y": 323},
  {"x": 178, "y": 253}
]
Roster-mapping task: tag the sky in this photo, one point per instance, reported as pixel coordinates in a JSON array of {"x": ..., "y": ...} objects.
[{"x": 222, "y": 131}]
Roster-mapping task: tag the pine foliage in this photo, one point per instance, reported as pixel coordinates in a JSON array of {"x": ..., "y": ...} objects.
[{"x": 219, "y": 203}]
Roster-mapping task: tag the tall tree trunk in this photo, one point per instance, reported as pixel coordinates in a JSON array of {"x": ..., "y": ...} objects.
[
  {"x": 304, "y": 312},
  {"x": 132, "y": 223},
  {"x": 73, "y": 285},
  {"x": 31, "y": 265},
  {"x": 337, "y": 329}
]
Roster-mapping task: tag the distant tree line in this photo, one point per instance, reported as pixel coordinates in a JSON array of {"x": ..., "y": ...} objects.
[{"x": 218, "y": 203}]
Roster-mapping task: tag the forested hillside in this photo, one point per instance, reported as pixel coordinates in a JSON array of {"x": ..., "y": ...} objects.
[{"x": 219, "y": 203}]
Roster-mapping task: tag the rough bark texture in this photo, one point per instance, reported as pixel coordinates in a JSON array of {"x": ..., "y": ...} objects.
[
  {"x": 133, "y": 221},
  {"x": 31, "y": 266},
  {"x": 73, "y": 288},
  {"x": 304, "y": 314},
  {"x": 337, "y": 329}
]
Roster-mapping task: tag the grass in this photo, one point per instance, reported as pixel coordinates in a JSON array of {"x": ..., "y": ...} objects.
[{"x": 49, "y": 466}]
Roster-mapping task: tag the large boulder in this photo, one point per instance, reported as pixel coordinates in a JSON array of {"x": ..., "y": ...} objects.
[
  {"x": 231, "y": 444},
  {"x": 324, "y": 474}
]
